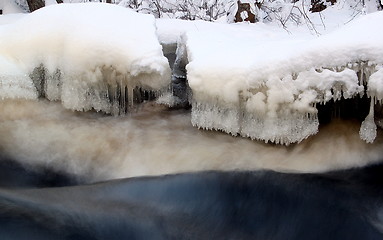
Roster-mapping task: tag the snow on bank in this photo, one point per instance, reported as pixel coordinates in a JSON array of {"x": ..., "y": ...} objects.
[
  {"x": 8, "y": 7},
  {"x": 11, "y": 18},
  {"x": 86, "y": 55},
  {"x": 263, "y": 88},
  {"x": 257, "y": 80}
]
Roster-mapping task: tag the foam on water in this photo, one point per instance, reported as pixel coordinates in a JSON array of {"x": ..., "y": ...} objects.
[{"x": 155, "y": 141}]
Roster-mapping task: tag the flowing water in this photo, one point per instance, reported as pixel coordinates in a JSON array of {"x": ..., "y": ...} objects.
[
  {"x": 156, "y": 141},
  {"x": 223, "y": 187}
]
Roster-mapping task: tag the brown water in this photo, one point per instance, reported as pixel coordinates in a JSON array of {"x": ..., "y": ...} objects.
[{"x": 155, "y": 141}]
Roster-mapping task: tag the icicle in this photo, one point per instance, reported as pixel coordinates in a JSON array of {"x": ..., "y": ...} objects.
[
  {"x": 113, "y": 99},
  {"x": 367, "y": 130},
  {"x": 38, "y": 76},
  {"x": 130, "y": 97},
  {"x": 117, "y": 100},
  {"x": 139, "y": 95},
  {"x": 123, "y": 98},
  {"x": 339, "y": 69},
  {"x": 370, "y": 69},
  {"x": 361, "y": 76},
  {"x": 52, "y": 85}
]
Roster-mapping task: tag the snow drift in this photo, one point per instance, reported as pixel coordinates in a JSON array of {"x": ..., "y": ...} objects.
[
  {"x": 266, "y": 87},
  {"x": 106, "y": 59}
]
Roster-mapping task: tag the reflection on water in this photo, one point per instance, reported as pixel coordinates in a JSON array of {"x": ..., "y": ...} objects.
[{"x": 156, "y": 141}]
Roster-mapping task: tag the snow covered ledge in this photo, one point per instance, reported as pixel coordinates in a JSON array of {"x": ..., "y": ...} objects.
[
  {"x": 268, "y": 90},
  {"x": 89, "y": 56}
]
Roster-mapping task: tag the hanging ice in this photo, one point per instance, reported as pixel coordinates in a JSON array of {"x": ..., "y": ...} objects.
[
  {"x": 14, "y": 83},
  {"x": 106, "y": 59},
  {"x": 367, "y": 130},
  {"x": 264, "y": 88},
  {"x": 375, "y": 84}
]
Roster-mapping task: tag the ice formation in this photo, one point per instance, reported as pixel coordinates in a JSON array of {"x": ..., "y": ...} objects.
[
  {"x": 14, "y": 83},
  {"x": 107, "y": 59},
  {"x": 268, "y": 89},
  {"x": 255, "y": 81}
]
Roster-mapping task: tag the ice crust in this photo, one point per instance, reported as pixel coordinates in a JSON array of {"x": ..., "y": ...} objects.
[
  {"x": 267, "y": 89},
  {"x": 106, "y": 59}
]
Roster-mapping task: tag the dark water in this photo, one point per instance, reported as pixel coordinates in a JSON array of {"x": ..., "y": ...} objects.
[
  {"x": 39, "y": 204},
  {"x": 52, "y": 161},
  {"x": 14, "y": 175}
]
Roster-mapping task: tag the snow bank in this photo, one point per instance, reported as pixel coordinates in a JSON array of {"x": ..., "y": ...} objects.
[
  {"x": 265, "y": 86},
  {"x": 89, "y": 56},
  {"x": 9, "y": 6},
  {"x": 11, "y": 18}
]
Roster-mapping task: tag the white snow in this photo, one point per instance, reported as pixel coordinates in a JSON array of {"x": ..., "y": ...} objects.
[
  {"x": 50, "y": 2},
  {"x": 253, "y": 80},
  {"x": 93, "y": 60},
  {"x": 11, "y": 18},
  {"x": 169, "y": 30},
  {"x": 9, "y": 6},
  {"x": 375, "y": 84},
  {"x": 265, "y": 85}
]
